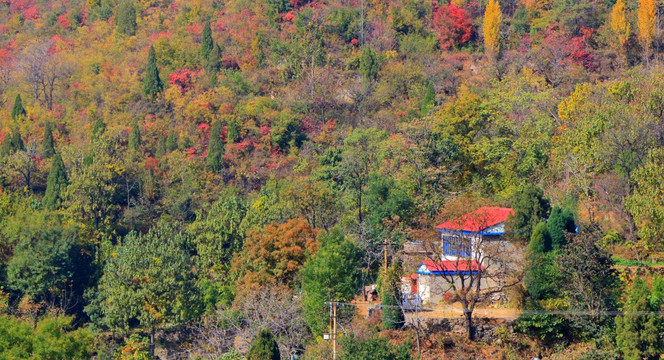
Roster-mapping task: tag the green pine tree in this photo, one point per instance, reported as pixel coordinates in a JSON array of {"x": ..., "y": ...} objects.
[
  {"x": 152, "y": 84},
  {"x": 171, "y": 142},
  {"x": 18, "y": 110},
  {"x": 559, "y": 224},
  {"x": 540, "y": 240},
  {"x": 47, "y": 148},
  {"x": 215, "y": 154},
  {"x": 55, "y": 184},
  {"x": 542, "y": 275},
  {"x": 368, "y": 64},
  {"x": 530, "y": 207},
  {"x": 135, "y": 137},
  {"x": 638, "y": 335},
  {"x": 429, "y": 100},
  {"x": 393, "y": 316},
  {"x": 98, "y": 129},
  {"x": 214, "y": 60},
  {"x": 540, "y": 272},
  {"x": 125, "y": 19},
  {"x": 207, "y": 44},
  {"x": 264, "y": 347}
]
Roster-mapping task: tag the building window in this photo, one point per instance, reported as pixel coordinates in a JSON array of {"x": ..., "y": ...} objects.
[{"x": 456, "y": 246}]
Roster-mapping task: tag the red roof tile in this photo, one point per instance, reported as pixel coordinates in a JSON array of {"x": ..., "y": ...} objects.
[
  {"x": 452, "y": 265},
  {"x": 478, "y": 220}
]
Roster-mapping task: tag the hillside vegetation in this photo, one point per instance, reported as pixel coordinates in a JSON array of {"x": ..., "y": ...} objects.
[{"x": 191, "y": 176}]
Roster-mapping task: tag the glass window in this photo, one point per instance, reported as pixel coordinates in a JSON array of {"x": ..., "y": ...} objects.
[{"x": 456, "y": 246}]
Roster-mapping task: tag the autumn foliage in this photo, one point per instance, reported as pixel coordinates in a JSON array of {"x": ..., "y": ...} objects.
[
  {"x": 275, "y": 254},
  {"x": 252, "y": 125},
  {"x": 492, "y": 19},
  {"x": 183, "y": 79},
  {"x": 646, "y": 22},
  {"x": 619, "y": 22},
  {"x": 453, "y": 26}
]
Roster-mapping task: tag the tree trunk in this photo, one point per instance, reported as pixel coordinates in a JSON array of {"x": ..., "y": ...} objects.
[
  {"x": 359, "y": 210},
  {"x": 152, "y": 343},
  {"x": 468, "y": 320}
]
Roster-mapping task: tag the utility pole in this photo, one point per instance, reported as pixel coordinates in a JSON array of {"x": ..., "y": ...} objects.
[
  {"x": 334, "y": 331},
  {"x": 330, "y": 328}
]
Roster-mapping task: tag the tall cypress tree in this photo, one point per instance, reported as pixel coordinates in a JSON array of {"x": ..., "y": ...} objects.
[
  {"x": 393, "y": 317},
  {"x": 540, "y": 240},
  {"x": 368, "y": 64},
  {"x": 152, "y": 84},
  {"x": 125, "y": 19},
  {"x": 207, "y": 44},
  {"x": 18, "y": 110},
  {"x": 47, "y": 148},
  {"x": 233, "y": 131},
  {"x": 135, "y": 137},
  {"x": 541, "y": 277},
  {"x": 216, "y": 148},
  {"x": 264, "y": 347},
  {"x": 214, "y": 60},
  {"x": 530, "y": 206},
  {"x": 637, "y": 334},
  {"x": 17, "y": 141},
  {"x": 55, "y": 184},
  {"x": 559, "y": 223}
]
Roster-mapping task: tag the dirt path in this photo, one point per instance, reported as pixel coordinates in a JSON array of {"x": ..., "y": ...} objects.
[
  {"x": 445, "y": 311},
  {"x": 454, "y": 311}
]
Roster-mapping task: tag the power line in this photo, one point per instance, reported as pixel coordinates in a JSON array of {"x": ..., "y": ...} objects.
[{"x": 530, "y": 312}]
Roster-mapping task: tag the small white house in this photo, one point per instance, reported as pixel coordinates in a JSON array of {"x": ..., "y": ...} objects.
[{"x": 461, "y": 253}]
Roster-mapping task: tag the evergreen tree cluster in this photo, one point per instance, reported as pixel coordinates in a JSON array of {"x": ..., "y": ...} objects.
[
  {"x": 211, "y": 56},
  {"x": 152, "y": 85}
]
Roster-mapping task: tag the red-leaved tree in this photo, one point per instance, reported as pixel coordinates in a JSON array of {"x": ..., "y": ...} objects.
[
  {"x": 183, "y": 79},
  {"x": 452, "y": 25}
]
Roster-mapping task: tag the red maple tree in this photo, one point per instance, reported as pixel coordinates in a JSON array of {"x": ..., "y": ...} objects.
[
  {"x": 183, "y": 79},
  {"x": 452, "y": 25}
]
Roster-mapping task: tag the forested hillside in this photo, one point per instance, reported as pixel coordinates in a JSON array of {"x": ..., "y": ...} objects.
[{"x": 199, "y": 178}]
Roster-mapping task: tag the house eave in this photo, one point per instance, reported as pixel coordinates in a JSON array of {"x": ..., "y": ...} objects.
[{"x": 466, "y": 232}]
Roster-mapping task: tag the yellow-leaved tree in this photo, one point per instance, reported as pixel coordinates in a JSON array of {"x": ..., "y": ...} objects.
[
  {"x": 492, "y": 19},
  {"x": 646, "y": 21},
  {"x": 619, "y": 22}
]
